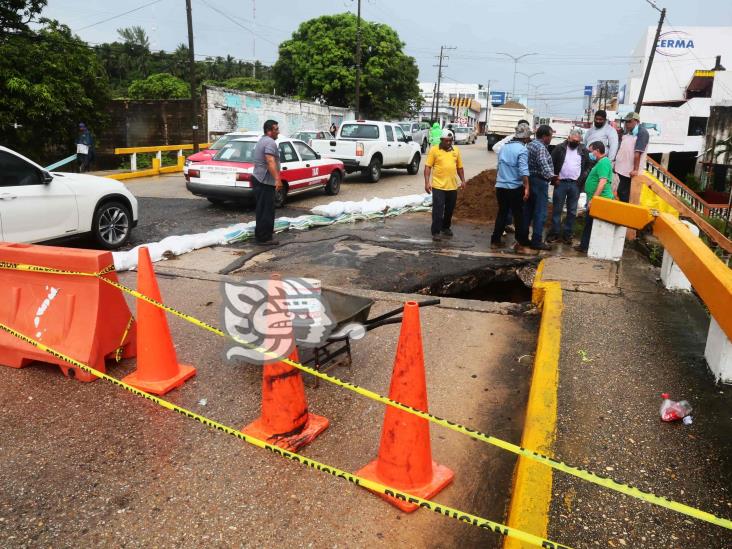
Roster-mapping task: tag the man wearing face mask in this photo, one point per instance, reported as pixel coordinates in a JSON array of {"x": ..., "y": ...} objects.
[
  {"x": 603, "y": 132},
  {"x": 571, "y": 164},
  {"x": 631, "y": 155}
]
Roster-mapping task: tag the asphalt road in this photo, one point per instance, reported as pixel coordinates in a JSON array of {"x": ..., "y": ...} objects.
[{"x": 167, "y": 208}]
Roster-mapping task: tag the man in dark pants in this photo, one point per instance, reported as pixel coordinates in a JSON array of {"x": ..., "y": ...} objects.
[
  {"x": 541, "y": 175},
  {"x": 512, "y": 188},
  {"x": 266, "y": 180},
  {"x": 571, "y": 164},
  {"x": 84, "y": 148},
  {"x": 444, "y": 163}
]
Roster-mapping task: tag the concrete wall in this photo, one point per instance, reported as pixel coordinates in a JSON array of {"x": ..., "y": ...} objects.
[{"x": 230, "y": 110}]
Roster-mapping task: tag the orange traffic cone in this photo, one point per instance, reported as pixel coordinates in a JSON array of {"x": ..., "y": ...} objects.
[
  {"x": 285, "y": 420},
  {"x": 158, "y": 371},
  {"x": 405, "y": 455}
]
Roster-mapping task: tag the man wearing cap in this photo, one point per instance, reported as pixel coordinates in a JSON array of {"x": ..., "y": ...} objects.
[
  {"x": 631, "y": 154},
  {"x": 604, "y": 132},
  {"x": 512, "y": 188},
  {"x": 444, "y": 164},
  {"x": 84, "y": 148}
]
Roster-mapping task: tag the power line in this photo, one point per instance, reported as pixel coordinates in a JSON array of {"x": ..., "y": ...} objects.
[
  {"x": 233, "y": 19},
  {"x": 118, "y": 15}
]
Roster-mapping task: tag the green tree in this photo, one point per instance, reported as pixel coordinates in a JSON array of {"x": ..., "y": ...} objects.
[
  {"x": 159, "y": 86},
  {"x": 16, "y": 14},
  {"x": 318, "y": 62},
  {"x": 50, "y": 80}
]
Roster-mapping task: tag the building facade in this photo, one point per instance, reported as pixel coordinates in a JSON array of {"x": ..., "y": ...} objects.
[
  {"x": 678, "y": 98},
  {"x": 461, "y": 104}
]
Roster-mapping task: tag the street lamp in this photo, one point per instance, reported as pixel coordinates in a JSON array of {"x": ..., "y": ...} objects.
[
  {"x": 515, "y": 66},
  {"x": 528, "y": 83}
]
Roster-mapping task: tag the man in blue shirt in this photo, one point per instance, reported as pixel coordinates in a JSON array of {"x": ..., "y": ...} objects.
[
  {"x": 512, "y": 188},
  {"x": 541, "y": 175}
]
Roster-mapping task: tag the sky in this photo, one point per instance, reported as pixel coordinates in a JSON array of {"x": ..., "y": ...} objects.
[{"x": 577, "y": 43}]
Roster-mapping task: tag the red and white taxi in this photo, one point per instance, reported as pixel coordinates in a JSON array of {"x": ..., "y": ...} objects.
[
  {"x": 228, "y": 175},
  {"x": 216, "y": 146}
]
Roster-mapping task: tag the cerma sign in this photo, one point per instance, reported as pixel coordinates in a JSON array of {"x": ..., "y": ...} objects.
[{"x": 674, "y": 43}]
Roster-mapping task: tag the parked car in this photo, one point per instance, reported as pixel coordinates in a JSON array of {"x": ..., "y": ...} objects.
[
  {"x": 309, "y": 135},
  {"x": 420, "y": 132},
  {"x": 368, "y": 146},
  {"x": 216, "y": 146},
  {"x": 228, "y": 175},
  {"x": 37, "y": 205},
  {"x": 465, "y": 135}
]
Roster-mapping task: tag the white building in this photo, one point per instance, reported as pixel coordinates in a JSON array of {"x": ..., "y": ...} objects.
[
  {"x": 677, "y": 100},
  {"x": 446, "y": 113}
]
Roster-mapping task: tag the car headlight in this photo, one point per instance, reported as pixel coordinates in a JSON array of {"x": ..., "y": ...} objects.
[{"x": 188, "y": 162}]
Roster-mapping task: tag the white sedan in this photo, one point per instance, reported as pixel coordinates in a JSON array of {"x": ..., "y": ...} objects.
[{"x": 37, "y": 205}]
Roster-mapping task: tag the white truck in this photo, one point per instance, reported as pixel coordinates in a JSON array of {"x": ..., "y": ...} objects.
[
  {"x": 368, "y": 146},
  {"x": 502, "y": 121}
]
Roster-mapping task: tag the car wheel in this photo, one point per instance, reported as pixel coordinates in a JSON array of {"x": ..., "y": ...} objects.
[
  {"x": 374, "y": 171},
  {"x": 333, "y": 186},
  {"x": 413, "y": 167},
  {"x": 280, "y": 196},
  {"x": 214, "y": 200},
  {"x": 112, "y": 225}
]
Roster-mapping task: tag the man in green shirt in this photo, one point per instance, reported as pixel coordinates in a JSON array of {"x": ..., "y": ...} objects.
[
  {"x": 435, "y": 134},
  {"x": 598, "y": 183}
]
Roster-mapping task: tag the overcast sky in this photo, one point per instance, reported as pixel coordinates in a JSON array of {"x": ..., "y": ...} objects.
[{"x": 578, "y": 42}]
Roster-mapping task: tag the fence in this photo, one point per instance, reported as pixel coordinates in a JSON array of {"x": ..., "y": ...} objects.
[{"x": 157, "y": 167}]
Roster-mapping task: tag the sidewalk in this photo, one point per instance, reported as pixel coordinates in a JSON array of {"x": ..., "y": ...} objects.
[{"x": 641, "y": 341}]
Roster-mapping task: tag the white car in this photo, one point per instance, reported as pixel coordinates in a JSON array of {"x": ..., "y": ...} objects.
[{"x": 37, "y": 205}]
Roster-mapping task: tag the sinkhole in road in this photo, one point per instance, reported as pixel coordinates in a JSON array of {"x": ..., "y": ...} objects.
[{"x": 507, "y": 285}]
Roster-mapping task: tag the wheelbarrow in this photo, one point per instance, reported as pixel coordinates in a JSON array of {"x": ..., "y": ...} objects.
[{"x": 351, "y": 317}]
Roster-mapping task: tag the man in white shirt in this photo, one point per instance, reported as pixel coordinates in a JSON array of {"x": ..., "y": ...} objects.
[{"x": 571, "y": 163}]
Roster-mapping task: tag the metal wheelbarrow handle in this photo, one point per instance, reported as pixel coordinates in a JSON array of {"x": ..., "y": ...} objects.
[{"x": 399, "y": 310}]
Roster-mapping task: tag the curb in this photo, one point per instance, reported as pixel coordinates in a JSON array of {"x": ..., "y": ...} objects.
[{"x": 532, "y": 482}]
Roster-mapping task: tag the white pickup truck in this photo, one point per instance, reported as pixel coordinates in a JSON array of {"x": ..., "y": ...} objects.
[{"x": 368, "y": 146}]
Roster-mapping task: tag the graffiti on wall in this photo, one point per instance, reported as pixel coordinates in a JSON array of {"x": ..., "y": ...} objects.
[{"x": 229, "y": 110}]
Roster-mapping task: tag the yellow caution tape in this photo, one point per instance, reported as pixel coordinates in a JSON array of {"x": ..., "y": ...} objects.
[
  {"x": 578, "y": 472},
  {"x": 120, "y": 349},
  {"x": 438, "y": 508}
]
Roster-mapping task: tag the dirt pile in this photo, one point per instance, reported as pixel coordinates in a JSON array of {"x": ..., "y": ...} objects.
[{"x": 477, "y": 203}]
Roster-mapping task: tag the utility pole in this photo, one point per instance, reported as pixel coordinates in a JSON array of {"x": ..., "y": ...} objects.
[
  {"x": 254, "y": 40},
  {"x": 192, "y": 67},
  {"x": 639, "y": 102},
  {"x": 440, "y": 66},
  {"x": 358, "y": 61},
  {"x": 432, "y": 109}
]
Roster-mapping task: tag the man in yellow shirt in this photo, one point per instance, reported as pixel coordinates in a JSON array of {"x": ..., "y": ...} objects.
[{"x": 444, "y": 163}]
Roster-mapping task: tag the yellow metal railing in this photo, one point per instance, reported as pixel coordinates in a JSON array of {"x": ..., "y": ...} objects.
[
  {"x": 709, "y": 276},
  {"x": 157, "y": 161}
]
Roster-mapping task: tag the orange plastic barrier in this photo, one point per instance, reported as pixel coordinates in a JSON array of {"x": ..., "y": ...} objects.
[
  {"x": 405, "y": 454},
  {"x": 81, "y": 316},
  {"x": 158, "y": 371},
  {"x": 285, "y": 420}
]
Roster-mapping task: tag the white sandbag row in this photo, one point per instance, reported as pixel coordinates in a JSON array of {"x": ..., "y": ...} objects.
[{"x": 328, "y": 214}]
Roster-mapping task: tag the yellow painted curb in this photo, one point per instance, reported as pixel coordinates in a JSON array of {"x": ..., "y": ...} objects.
[{"x": 532, "y": 481}]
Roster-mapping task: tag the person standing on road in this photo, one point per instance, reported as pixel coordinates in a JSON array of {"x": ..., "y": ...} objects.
[
  {"x": 599, "y": 183},
  {"x": 333, "y": 129},
  {"x": 84, "y": 148},
  {"x": 510, "y": 228},
  {"x": 541, "y": 175},
  {"x": 604, "y": 132},
  {"x": 571, "y": 164},
  {"x": 631, "y": 154},
  {"x": 512, "y": 188},
  {"x": 435, "y": 134},
  {"x": 266, "y": 181},
  {"x": 444, "y": 163}
]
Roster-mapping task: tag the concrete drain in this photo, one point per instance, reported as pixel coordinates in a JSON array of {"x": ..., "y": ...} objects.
[{"x": 507, "y": 285}]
